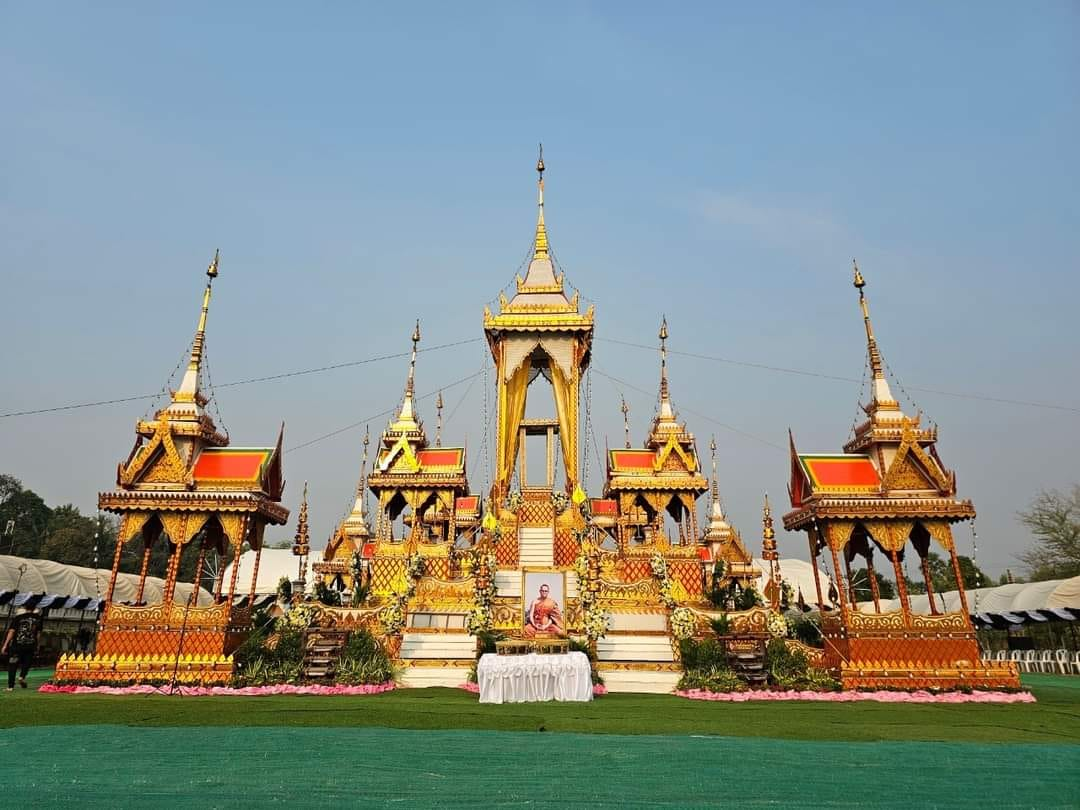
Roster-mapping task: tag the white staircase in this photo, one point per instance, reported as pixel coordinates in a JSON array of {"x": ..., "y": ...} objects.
[
  {"x": 536, "y": 546},
  {"x": 436, "y": 659},
  {"x": 636, "y": 655}
]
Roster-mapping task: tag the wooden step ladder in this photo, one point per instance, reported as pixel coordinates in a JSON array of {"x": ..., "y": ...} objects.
[{"x": 322, "y": 649}]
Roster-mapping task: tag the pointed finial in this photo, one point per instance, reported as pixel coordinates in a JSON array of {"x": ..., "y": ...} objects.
[
  {"x": 362, "y": 483},
  {"x": 880, "y": 386},
  {"x": 766, "y": 520},
  {"x": 626, "y": 420},
  {"x": 540, "y": 249},
  {"x": 412, "y": 361},
  {"x": 663, "y": 360},
  {"x": 438, "y": 421},
  {"x": 189, "y": 385},
  {"x": 715, "y": 478}
]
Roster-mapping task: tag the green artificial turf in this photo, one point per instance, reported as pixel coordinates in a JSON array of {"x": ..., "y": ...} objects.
[
  {"x": 113, "y": 766},
  {"x": 1055, "y": 718}
]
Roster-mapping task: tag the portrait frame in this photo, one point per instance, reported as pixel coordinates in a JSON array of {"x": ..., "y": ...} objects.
[{"x": 531, "y": 580}]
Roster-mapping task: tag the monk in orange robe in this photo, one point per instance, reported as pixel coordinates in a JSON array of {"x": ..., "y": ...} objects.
[{"x": 543, "y": 616}]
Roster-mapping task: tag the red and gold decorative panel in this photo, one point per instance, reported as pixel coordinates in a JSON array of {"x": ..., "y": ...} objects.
[
  {"x": 566, "y": 547},
  {"x": 843, "y": 473},
  {"x": 506, "y": 550}
]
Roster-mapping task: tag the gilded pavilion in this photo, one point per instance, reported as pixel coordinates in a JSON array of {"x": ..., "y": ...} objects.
[
  {"x": 888, "y": 495},
  {"x": 184, "y": 487}
]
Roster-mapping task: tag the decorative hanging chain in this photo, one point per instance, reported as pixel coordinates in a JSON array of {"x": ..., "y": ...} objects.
[
  {"x": 587, "y": 431},
  {"x": 975, "y": 564}
]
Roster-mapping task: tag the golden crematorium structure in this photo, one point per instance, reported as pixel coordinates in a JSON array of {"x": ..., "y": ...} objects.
[
  {"x": 437, "y": 563},
  {"x": 888, "y": 495},
  {"x": 185, "y": 489}
]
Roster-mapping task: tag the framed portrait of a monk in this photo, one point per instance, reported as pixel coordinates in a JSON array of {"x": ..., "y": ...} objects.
[{"x": 543, "y": 598}]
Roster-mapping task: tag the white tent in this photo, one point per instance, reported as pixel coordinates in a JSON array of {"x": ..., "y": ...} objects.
[
  {"x": 274, "y": 564},
  {"x": 1018, "y": 599},
  {"x": 799, "y": 574},
  {"x": 53, "y": 578}
]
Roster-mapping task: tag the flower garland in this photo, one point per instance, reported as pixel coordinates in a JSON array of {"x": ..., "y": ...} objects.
[
  {"x": 683, "y": 623},
  {"x": 667, "y": 585},
  {"x": 594, "y": 619},
  {"x": 561, "y": 502},
  {"x": 777, "y": 625},
  {"x": 482, "y": 615},
  {"x": 514, "y": 500},
  {"x": 392, "y": 616}
]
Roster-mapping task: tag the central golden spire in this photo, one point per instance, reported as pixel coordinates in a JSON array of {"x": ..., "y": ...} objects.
[
  {"x": 540, "y": 249},
  {"x": 406, "y": 420}
]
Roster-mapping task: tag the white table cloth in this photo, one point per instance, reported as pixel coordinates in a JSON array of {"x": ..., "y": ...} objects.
[{"x": 534, "y": 677}]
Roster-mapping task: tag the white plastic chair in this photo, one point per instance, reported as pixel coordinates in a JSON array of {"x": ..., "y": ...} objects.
[
  {"x": 1001, "y": 655},
  {"x": 1076, "y": 662},
  {"x": 1046, "y": 661},
  {"x": 1061, "y": 661},
  {"x": 1031, "y": 660},
  {"x": 1017, "y": 657}
]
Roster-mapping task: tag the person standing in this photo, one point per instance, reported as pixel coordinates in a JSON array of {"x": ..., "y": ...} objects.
[{"x": 20, "y": 643}]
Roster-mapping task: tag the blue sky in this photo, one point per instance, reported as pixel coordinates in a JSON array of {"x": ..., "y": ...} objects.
[{"x": 362, "y": 167}]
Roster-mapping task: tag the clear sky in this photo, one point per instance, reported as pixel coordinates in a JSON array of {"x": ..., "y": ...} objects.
[{"x": 360, "y": 167}]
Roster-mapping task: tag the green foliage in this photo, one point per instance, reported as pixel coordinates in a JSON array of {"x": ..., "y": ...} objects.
[
  {"x": 711, "y": 680},
  {"x": 706, "y": 654},
  {"x": 284, "y": 590},
  {"x": 789, "y": 669},
  {"x": 860, "y": 580},
  {"x": 734, "y": 596},
  {"x": 363, "y": 660},
  {"x": 706, "y": 666},
  {"x": 807, "y": 629},
  {"x": 273, "y": 653},
  {"x": 721, "y": 625},
  {"x": 487, "y": 639},
  {"x": 326, "y": 595},
  {"x": 1054, "y": 519}
]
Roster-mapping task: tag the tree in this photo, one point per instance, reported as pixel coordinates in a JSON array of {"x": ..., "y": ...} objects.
[
  {"x": 942, "y": 576},
  {"x": 861, "y": 583},
  {"x": 28, "y": 516},
  {"x": 1054, "y": 518}
]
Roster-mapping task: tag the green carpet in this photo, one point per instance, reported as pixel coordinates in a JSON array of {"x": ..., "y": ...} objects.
[{"x": 111, "y": 766}]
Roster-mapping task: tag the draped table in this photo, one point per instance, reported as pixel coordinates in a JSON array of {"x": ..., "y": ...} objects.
[{"x": 534, "y": 677}]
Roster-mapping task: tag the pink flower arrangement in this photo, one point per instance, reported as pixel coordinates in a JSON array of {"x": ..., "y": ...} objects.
[
  {"x": 599, "y": 689},
  {"x": 208, "y": 691},
  {"x": 882, "y": 696}
]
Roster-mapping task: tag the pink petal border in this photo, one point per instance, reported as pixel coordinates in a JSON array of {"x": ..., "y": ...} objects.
[
  {"x": 882, "y": 696},
  {"x": 214, "y": 691}
]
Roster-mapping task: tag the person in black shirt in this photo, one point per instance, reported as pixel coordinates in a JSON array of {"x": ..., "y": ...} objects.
[{"x": 20, "y": 642}]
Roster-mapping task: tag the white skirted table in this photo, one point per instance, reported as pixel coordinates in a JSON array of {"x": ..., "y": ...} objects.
[{"x": 534, "y": 677}]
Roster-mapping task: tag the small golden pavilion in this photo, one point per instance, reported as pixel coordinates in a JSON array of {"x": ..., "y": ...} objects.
[
  {"x": 183, "y": 486},
  {"x": 888, "y": 495}
]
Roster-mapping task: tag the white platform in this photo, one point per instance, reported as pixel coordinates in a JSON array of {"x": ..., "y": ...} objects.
[
  {"x": 420, "y": 677},
  {"x": 457, "y": 646},
  {"x": 652, "y": 682},
  {"x": 635, "y": 648}
]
